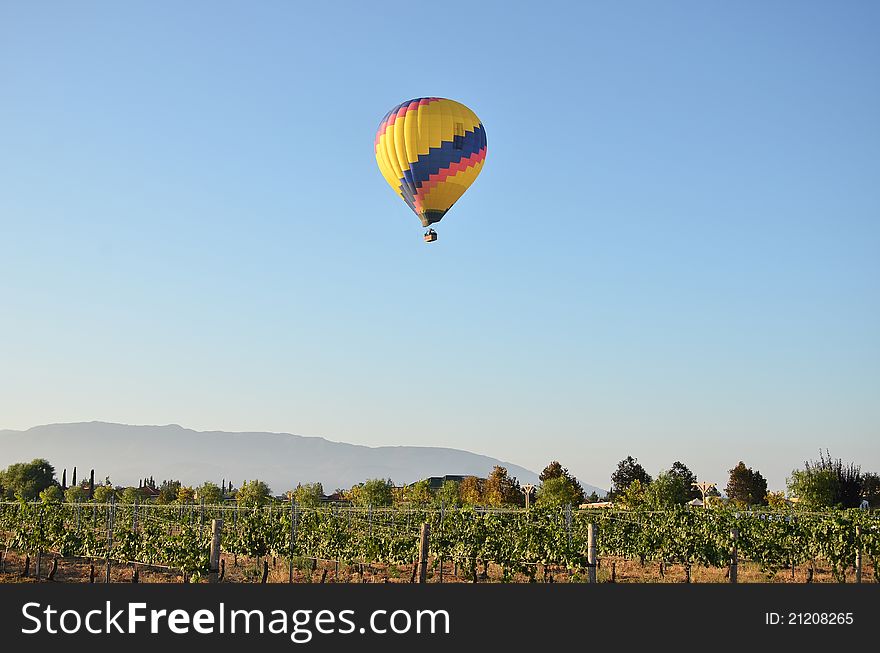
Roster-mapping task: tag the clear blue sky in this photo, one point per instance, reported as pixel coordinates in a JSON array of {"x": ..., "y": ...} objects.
[{"x": 673, "y": 250}]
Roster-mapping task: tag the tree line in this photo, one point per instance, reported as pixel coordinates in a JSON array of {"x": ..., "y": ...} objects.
[
  {"x": 822, "y": 483},
  {"x": 37, "y": 480}
]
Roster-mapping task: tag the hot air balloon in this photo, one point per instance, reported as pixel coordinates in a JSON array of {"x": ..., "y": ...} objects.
[{"x": 430, "y": 150}]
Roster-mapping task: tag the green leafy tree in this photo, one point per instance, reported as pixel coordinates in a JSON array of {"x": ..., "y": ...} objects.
[
  {"x": 448, "y": 495},
  {"x": 813, "y": 488},
  {"x": 746, "y": 486},
  {"x": 209, "y": 493},
  {"x": 634, "y": 496},
  {"x": 103, "y": 493},
  {"x": 253, "y": 493},
  {"x": 168, "y": 492},
  {"x": 418, "y": 494},
  {"x": 556, "y": 470},
  {"x": 132, "y": 495},
  {"x": 75, "y": 494},
  {"x": 500, "y": 489},
  {"x": 669, "y": 489},
  {"x": 776, "y": 500},
  {"x": 373, "y": 492},
  {"x": 673, "y": 487},
  {"x": 686, "y": 480},
  {"x": 553, "y": 470},
  {"x": 558, "y": 491},
  {"x": 628, "y": 470},
  {"x": 186, "y": 495},
  {"x": 309, "y": 495},
  {"x": 27, "y": 480},
  {"x": 826, "y": 475},
  {"x": 871, "y": 488},
  {"x": 52, "y": 494}
]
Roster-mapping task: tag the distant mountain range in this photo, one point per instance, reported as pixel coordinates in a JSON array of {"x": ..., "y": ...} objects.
[{"x": 128, "y": 453}]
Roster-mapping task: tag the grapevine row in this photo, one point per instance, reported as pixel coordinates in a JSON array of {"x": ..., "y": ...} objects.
[{"x": 519, "y": 540}]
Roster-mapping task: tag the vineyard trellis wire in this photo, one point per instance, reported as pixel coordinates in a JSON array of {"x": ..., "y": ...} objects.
[{"x": 518, "y": 541}]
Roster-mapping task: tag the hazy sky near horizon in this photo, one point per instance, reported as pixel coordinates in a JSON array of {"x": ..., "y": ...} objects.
[{"x": 673, "y": 251}]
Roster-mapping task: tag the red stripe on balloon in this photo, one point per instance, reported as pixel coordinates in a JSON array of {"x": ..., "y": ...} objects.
[{"x": 442, "y": 175}]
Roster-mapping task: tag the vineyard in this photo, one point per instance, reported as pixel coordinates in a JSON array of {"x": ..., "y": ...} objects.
[{"x": 521, "y": 545}]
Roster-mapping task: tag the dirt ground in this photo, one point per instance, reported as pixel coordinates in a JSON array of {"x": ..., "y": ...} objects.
[{"x": 241, "y": 570}]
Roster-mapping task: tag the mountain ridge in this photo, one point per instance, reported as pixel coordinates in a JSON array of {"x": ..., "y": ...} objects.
[{"x": 129, "y": 452}]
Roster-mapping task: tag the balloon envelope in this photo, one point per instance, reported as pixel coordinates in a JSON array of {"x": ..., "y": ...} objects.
[{"x": 430, "y": 150}]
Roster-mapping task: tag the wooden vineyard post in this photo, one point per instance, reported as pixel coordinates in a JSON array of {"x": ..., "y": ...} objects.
[
  {"x": 568, "y": 521},
  {"x": 216, "y": 532},
  {"x": 591, "y": 553},
  {"x": 111, "y": 516},
  {"x": 858, "y": 560},
  {"x": 292, "y": 538},
  {"x": 40, "y": 545},
  {"x": 423, "y": 552},
  {"x": 734, "y": 558}
]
